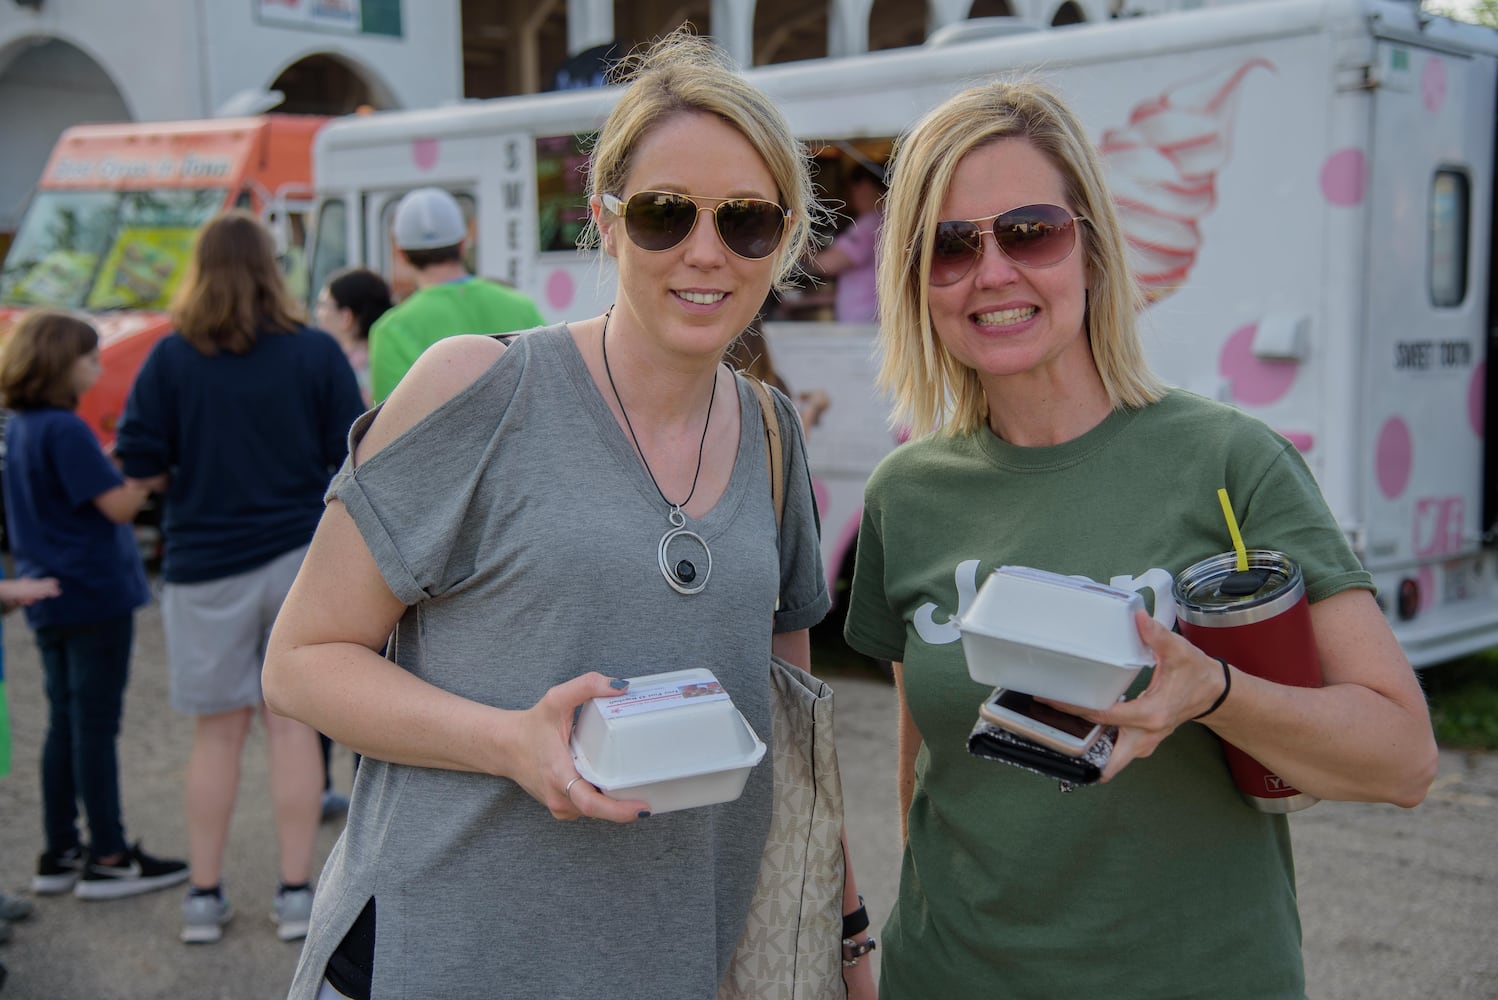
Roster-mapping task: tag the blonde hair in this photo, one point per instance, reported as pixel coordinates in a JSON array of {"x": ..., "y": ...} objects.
[
  {"x": 685, "y": 73},
  {"x": 932, "y": 390},
  {"x": 36, "y": 363},
  {"x": 233, "y": 289}
]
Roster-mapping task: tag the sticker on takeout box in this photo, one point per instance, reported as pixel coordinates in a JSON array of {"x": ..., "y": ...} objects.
[{"x": 654, "y": 697}]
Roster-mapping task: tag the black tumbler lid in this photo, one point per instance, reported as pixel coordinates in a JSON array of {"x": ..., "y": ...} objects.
[
  {"x": 1244, "y": 583},
  {"x": 1215, "y": 592}
]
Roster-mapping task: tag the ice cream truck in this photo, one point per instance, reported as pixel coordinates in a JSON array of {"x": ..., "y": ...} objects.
[
  {"x": 1307, "y": 188},
  {"x": 110, "y": 226}
]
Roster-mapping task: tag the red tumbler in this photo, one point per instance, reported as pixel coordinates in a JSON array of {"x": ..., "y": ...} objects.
[{"x": 1258, "y": 620}]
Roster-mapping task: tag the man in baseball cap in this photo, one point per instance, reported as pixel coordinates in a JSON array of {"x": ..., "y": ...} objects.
[{"x": 431, "y": 234}]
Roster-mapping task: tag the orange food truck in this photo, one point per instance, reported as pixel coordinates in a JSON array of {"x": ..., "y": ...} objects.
[{"x": 110, "y": 227}]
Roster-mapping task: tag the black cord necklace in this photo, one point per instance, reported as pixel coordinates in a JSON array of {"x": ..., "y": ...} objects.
[{"x": 682, "y": 576}]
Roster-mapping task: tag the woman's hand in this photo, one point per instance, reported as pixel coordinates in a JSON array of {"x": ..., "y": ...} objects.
[
  {"x": 1185, "y": 684},
  {"x": 542, "y": 754}
]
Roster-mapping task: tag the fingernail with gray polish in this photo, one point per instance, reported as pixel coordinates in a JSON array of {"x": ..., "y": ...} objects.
[
  {"x": 618, "y": 684},
  {"x": 643, "y": 814}
]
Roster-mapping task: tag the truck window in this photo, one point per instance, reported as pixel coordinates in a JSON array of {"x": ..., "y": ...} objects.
[
  {"x": 1450, "y": 204},
  {"x": 329, "y": 244},
  {"x": 105, "y": 249},
  {"x": 561, "y": 190}
]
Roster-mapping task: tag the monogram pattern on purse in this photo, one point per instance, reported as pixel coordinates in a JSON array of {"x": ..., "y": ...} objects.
[{"x": 791, "y": 948}]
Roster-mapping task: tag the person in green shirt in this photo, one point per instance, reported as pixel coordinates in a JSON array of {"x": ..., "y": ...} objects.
[
  {"x": 430, "y": 233},
  {"x": 1008, "y": 333}
]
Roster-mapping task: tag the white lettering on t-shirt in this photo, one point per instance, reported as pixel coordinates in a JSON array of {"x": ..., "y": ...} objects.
[
  {"x": 941, "y": 633},
  {"x": 1158, "y": 582}
]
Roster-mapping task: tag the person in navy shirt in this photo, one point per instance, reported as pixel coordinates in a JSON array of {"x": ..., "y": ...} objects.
[
  {"x": 69, "y": 511},
  {"x": 245, "y": 411}
]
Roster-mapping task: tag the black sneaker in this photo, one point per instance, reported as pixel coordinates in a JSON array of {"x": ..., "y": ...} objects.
[
  {"x": 57, "y": 872},
  {"x": 135, "y": 873}
]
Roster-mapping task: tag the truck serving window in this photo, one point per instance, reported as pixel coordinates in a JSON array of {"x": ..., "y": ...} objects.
[
  {"x": 105, "y": 249},
  {"x": 561, "y": 190},
  {"x": 1450, "y": 204}
]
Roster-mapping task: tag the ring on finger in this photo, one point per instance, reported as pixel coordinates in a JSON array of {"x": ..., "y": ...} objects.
[{"x": 568, "y": 790}]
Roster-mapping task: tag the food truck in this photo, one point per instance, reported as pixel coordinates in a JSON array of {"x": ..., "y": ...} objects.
[
  {"x": 110, "y": 227},
  {"x": 1307, "y": 188}
]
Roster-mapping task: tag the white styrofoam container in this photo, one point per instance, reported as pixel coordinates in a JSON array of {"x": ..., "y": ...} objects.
[
  {"x": 1054, "y": 636},
  {"x": 673, "y": 739}
]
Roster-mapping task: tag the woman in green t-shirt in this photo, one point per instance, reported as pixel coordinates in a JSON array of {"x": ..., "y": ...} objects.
[{"x": 1007, "y": 329}]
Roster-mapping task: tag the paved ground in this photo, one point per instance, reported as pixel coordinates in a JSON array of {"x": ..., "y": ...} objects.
[{"x": 1396, "y": 904}]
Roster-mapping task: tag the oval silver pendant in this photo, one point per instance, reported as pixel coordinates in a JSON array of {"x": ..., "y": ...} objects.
[{"x": 683, "y": 575}]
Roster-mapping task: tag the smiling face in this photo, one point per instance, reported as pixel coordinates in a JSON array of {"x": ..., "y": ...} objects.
[
  {"x": 695, "y": 297},
  {"x": 1003, "y": 319}
]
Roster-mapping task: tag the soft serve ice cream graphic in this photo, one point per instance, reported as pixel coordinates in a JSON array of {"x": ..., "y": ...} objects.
[{"x": 1163, "y": 168}]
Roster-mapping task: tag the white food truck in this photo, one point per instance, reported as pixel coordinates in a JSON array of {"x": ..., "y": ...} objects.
[{"x": 1307, "y": 188}]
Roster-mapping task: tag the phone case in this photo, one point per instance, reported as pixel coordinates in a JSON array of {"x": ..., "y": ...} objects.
[
  {"x": 1017, "y": 727},
  {"x": 994, "y": 743}
]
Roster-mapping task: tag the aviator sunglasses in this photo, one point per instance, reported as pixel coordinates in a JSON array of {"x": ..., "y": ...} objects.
[
  {"x": 1032, "y": 236},
  {"x": 659, "y": 220}
]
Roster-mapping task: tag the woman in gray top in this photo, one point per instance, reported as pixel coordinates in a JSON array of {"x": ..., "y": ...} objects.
[{"x": 502, "y": 516}]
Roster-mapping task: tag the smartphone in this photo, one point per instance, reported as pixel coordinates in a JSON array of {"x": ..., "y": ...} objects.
[{"x": 1050, "y": 727}]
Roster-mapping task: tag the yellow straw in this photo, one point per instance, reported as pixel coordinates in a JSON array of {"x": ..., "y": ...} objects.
[{"x": 1227, "y": 512}]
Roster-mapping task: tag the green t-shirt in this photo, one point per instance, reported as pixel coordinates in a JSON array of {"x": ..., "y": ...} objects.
[
  {"x": 1162, "y": 883},
  {"x": 472, "y": 305}
]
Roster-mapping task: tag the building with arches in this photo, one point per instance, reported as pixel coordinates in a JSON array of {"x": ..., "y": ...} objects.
[{"x": 63, "y": 62}]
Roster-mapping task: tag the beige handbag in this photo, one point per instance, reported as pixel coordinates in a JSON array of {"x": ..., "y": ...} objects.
[{"x": 791, "y": 948}]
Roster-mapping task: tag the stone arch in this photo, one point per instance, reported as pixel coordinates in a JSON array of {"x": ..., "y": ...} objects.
[
  {"x": 895, "y": 24},
  {"x": 991, "y": 8},
  {"x": 1068, "y": 13},
  {"x": 788, "y": 30},
  {"x": 47, "y": 83},
  {"x": 329, "y": 83}
]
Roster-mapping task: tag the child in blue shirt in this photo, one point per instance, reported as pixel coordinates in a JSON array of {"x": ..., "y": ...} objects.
[{"x": 69, "y": 512}]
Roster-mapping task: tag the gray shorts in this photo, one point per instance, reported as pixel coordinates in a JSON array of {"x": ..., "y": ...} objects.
[{"x": 216, "y": 633}]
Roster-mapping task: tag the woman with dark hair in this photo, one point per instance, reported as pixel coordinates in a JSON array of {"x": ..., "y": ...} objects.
[
  {"x": 347, "y": 307},
  {"x": 244, "y": 411}
]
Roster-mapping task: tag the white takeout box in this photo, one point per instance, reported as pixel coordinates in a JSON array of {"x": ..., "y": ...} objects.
[
  {"x": 1054, "y": 636},
  {"x": 673, "y": 739}
]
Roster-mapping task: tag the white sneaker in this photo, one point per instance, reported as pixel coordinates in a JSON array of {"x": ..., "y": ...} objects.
[
  {"x": 292, "y": 913},
  {"x": 204, "y": 917}
]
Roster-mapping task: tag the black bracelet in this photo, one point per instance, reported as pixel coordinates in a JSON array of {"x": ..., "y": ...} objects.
[
  {"x": 856, "y": 921},
  {"x": 1227, "y": 685}
]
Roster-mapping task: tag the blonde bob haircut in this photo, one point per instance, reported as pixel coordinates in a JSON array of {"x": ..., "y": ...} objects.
[
  {"x": 931, "y": 390},
  {"x": 685, "y": 73}
]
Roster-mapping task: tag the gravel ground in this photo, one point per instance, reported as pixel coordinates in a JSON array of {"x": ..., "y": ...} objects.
[{"x": 1395, "y": 903}]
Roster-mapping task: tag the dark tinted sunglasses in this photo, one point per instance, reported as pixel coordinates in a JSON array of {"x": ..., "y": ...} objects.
[
  {"x": 1032, "y": 236},
  {"x": 659, "y": 220}
]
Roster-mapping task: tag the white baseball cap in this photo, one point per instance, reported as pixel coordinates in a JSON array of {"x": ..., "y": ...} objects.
[{"x": 428, "y": 218}]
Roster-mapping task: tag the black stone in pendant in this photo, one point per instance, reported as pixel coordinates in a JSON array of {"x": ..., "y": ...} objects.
[{"x": 685, "y": 571}]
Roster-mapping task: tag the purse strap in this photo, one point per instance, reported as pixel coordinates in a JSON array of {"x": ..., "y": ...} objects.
[{"x": 772, "y": 447}]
